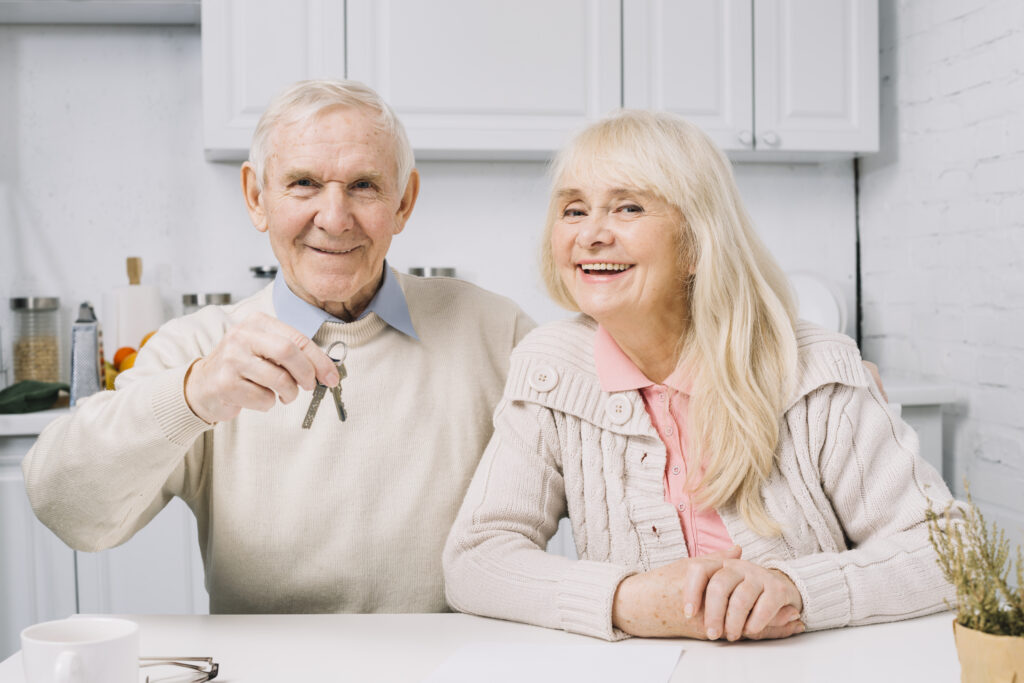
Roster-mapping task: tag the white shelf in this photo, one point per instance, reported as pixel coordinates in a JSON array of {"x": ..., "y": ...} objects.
[{"x": 29, "y": 424}]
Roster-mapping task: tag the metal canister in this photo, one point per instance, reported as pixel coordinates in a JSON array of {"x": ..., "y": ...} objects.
[
  {"x": 189, "y": 303},
  {"x": 36, "y": 341},
  {"x": 217, "y": 298}
]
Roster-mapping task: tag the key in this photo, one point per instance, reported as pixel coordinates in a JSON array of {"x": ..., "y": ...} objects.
[
  {"x": 318, "y": 395},
  {"x": 321, "y": 389},
  {"x": 336, "y": 392}
]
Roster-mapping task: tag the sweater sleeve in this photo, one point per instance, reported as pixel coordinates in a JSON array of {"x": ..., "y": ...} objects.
[
  {"x": 495, "y": 564},
  {"x": 879, "y": 489},
  {"x": 99, "y": 474}
]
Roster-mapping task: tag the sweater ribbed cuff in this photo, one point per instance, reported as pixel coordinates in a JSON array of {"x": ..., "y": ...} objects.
[
  {"x": 823, "y": 588},
  {"x": 585, "y": 597},
  {"x": 177, "y": 421}
]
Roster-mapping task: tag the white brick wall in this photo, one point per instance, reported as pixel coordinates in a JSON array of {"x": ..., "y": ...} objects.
[{"x": 942, "y": 230}]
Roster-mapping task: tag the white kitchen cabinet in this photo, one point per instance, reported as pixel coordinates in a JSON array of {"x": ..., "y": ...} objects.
[
  {"x": 159, "y": 571},
  {"x": 767, "y": 79},
  {"x": 480, "y": 79},
  {"x": 37, "y": 571},
  {"x": 693, "y": 58},
  {"x": 254, "y": 48}
]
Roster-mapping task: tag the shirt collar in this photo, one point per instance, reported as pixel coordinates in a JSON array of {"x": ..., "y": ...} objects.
[
  {"x": 616, "y": 372},
  {"x": 388, "y": 303}
]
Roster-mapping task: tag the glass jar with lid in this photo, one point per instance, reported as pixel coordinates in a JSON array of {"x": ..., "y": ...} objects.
[{"x": 36, "y": 342}]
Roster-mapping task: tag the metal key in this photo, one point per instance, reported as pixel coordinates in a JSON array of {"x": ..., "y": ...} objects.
[
  {"x": 336, "y": 392},
  {"x": 321, "y": 389},
  {"x": 318, "y": 395}
]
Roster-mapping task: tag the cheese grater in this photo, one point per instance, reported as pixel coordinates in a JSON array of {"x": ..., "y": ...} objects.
[{"x": 86, "y": 354}]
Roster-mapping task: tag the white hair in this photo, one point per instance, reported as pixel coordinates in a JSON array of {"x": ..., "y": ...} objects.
[{"x": 306, "y": 99}]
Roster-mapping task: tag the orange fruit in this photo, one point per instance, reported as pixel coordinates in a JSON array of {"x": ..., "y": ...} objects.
[
  {"x": 146, "y": 338},
  {"x": 120, "y": 355},
  {"x": 127, "y": 362}
]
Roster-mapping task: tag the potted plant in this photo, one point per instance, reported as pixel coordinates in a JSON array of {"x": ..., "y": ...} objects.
[{"x": 989, "y": 626}]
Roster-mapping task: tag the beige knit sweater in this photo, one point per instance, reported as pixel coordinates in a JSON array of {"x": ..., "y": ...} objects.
[
  {"x": 344, "y": 517},
  {"x": 848, "y": 489}
]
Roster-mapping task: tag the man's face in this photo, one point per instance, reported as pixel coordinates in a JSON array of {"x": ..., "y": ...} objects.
[{"x": 331, "y": 204}]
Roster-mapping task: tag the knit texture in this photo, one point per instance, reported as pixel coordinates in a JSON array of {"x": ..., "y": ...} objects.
[
  {"x": 848, "y": 489},
  {"x": 343, "y": 517}
]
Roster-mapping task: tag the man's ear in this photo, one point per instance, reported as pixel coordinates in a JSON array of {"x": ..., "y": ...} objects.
[
  {"x": 412, "y": 190},
  {"x": 253, "y": 198}
]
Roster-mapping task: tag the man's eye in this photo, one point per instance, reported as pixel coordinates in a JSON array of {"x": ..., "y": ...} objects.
[
  {"x": 304, "y": 182},
  {"x": 363, "y": 185}
]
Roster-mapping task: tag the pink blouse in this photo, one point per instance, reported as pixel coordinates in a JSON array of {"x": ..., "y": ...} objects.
[{"x": 667, "y": 405}]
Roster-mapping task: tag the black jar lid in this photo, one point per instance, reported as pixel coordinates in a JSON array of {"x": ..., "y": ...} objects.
[{"x": 35, "y": 303}]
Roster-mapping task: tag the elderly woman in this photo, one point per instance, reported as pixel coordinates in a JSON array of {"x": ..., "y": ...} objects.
[{"x": 728, "y": 470}]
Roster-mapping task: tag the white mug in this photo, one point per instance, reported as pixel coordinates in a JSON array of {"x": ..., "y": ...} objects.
[{"x": 81, "y": 650}]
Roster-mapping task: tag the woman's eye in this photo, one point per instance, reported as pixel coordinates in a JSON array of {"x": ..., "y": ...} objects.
[
  {"x": 631, "y": 208},
  {"x": 573, "y": 212}
]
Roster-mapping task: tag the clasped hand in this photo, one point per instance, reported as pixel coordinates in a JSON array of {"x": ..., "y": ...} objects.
[
  {"x": 257, "y": 362},
  {"x": 709, "y": 597}
]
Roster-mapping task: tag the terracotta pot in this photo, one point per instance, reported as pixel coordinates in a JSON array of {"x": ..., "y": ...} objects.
[{"x": 985, "y": 658}]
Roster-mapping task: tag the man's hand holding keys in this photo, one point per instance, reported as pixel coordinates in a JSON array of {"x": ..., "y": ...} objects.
[{"x": 258, "y": 361}]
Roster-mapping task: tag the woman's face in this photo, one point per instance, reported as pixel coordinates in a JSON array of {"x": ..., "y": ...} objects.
[{"x": 616, "y": 250}]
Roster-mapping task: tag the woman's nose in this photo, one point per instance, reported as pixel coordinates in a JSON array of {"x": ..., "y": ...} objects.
[{"x": 594, "y": 231}]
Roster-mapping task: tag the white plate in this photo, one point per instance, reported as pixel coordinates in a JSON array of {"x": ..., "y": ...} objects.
[{"x": 819, "y": 301}]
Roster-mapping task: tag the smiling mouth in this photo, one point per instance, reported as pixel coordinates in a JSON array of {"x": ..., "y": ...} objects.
[
  {"x": 602, "y": 268},
  {"x": 332, "y": 252}
]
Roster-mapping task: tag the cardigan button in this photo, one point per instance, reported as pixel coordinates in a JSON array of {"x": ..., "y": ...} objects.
[
  {"x": 544, "y": 379},
  {"x": 618, "y": 409}
]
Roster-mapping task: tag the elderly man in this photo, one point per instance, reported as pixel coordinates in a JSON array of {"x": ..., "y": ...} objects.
[{"x": 345, "y": 515}]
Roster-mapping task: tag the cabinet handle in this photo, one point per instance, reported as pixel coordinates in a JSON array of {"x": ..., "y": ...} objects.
[
  {"x": 746, "y": 138},
  {"x": 771, "y": 139}
]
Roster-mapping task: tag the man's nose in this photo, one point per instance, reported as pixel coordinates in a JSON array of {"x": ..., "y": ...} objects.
[
  {"x": 594, "y": 230},
  {"x": 334, "y": 212}
]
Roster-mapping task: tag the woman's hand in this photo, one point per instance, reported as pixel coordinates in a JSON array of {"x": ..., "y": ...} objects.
[
  {"x": 745, "y": 600},
  {"x": 668, "y": 601}
]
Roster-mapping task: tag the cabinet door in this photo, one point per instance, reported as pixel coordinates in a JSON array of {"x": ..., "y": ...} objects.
[
  {"x": 158, "y": 571},
  {"x": 816, "y": 75},
  {"x": 693, "y": 58},
  {"x": 475, "y": 79},
  {"x": 254, "y": 48},
  {"x": 37, "y": 571}
]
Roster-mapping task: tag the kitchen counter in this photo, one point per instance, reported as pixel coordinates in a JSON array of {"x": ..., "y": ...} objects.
[{"x": 29, "y": 424}]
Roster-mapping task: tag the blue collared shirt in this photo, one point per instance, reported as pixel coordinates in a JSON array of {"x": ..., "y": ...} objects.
[{"x": 389, "y": 303}]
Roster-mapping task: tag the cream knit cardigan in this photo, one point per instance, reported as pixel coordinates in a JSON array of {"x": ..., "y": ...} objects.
[
  {"x": 848, "y": 489},
  {"x": 343, "y": 517}
]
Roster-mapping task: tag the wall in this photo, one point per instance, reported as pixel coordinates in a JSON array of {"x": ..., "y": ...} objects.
[
  {"x": 101, "y": 158},
  {"x": 942, "y": 229}
]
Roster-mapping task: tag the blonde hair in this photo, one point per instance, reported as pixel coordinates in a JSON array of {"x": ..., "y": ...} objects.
[
  {"x": 739, "y": 347},
  {"x": 304, "y": 100}
]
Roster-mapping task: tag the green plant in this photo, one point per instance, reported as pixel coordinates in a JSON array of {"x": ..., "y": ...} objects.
[{"x": 975, "y": 558}]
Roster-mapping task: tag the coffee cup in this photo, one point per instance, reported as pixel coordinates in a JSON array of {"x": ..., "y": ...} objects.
[{"x": 81, "y": 650}]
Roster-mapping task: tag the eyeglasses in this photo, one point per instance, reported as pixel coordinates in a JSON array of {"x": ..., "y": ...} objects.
[{"x": 198, "y": 669}]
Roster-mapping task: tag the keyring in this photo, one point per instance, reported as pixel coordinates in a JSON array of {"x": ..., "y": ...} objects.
[{"x": 344, "y": 352}]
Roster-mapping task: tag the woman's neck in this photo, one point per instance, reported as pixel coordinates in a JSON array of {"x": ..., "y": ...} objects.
[{"x": 652, "y": 343}]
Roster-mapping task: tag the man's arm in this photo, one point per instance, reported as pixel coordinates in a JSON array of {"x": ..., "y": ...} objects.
[{"x": 98, "y": 475}]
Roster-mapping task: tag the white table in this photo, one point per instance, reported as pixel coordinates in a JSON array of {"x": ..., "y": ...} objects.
[{"x": 407, "y": 647}]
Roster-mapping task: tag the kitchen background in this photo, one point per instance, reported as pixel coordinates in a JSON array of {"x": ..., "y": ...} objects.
[{"x": 102, "y": 157}]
